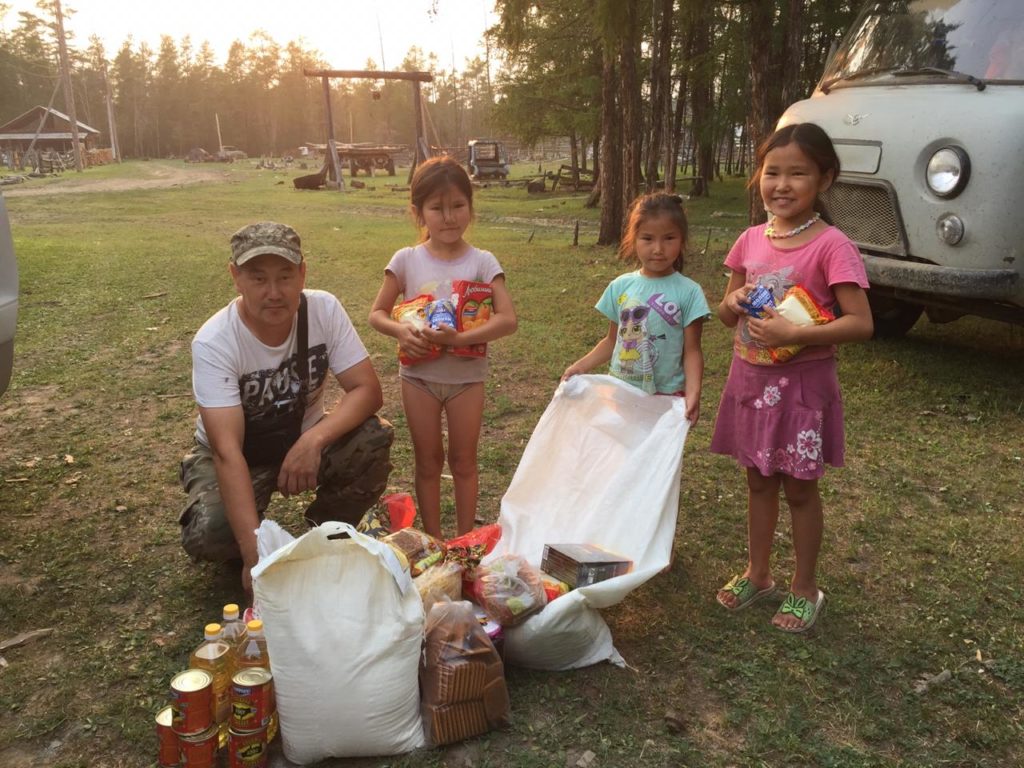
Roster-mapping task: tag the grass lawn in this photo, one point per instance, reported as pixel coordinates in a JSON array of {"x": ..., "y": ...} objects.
[{"x": 922, "y": 559}]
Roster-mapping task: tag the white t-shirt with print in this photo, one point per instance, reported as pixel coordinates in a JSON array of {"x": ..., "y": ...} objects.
[{"x": 231, "y": 367}]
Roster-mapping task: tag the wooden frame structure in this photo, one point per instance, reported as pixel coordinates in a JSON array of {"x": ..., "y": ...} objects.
[{"x": 421, "y": 149}]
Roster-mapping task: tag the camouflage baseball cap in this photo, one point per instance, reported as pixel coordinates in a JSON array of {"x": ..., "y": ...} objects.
[{"x": 265, "y": 237}]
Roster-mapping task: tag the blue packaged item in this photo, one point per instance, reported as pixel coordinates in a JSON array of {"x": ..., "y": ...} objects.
[
  {"x": 441, "y": 312},
  {"x": 757, "y": 300}
]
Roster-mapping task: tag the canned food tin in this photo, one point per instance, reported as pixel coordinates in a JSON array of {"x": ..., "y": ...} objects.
[
  {"x": 199, "y": 751},
  {"x": 252, "y": 699},
  {"x": 247, "y": 749},
  {"x": 167, "y": 739},
  {"x": 192, "y": 702}
]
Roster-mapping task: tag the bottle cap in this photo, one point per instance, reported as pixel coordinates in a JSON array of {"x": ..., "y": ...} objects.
[
  {"x": 231, "y": 611},
  {"x": 255, "y": 626},
  {"x": 212, "y": 631}
]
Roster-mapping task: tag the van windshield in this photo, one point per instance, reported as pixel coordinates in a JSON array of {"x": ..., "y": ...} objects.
[{"x": 960, "y": 40}]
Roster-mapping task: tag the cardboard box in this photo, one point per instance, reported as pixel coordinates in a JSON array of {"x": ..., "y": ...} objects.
[{"x": 580, "y": 565}]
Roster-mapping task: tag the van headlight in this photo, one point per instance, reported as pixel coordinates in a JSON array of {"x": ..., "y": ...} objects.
[{"x": 948, "y": 171}]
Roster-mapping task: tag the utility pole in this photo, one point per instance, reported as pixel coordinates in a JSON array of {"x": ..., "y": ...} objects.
[{"x": 65, "y": 73}]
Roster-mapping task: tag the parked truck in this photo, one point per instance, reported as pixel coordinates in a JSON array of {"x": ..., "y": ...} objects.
[
  {"x": 487, "y": 159},
  {"x": 924, "y": 101}
]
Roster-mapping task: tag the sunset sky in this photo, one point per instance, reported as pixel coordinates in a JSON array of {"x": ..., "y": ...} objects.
[{"x": 346, "y": 32}]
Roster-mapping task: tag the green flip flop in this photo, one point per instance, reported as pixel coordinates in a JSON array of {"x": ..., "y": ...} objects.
[
  {"x": 805, "y": 610},
  {"x": 746, "y": 593}
]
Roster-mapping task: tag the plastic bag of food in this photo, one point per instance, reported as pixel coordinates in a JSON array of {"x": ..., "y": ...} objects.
[
  {"x": 439, "y": 582},
  {"x": 462, "y": 678},
  {"x": 421, "y": 549},
  {"x": 510, "y": 590}
]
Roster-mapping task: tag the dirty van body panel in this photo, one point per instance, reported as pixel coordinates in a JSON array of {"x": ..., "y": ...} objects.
[
  {"x": 924, "y": 102},
  {"x": 8, "y": 298},
  {"x": 885, "y": 136}
]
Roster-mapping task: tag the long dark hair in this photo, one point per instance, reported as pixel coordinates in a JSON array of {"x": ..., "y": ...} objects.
[
  {"x": 436, "y": 175},
  {"x": 650, "y": 206},
  {"x": 813, "y": 142}
]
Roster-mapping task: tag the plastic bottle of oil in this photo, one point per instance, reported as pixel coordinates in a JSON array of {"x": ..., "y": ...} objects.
[
  {"x": 252, "y": 652},
  {"x": 214, "y": 656},
  {"x": 234, "y": 630}
]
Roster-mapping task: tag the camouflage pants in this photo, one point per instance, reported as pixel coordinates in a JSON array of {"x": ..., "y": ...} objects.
[{"x": 353, "y": 475}]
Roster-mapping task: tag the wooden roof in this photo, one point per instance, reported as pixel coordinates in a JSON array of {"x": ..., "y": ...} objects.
[{"x": 56, "y": 125}]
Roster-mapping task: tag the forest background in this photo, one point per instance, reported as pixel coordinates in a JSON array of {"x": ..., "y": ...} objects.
[{"x": 643, "y": 91}]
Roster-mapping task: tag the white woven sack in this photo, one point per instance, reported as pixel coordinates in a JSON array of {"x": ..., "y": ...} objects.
[
  {"x": 602, "y": 467},
  {"x": 344, "y": 628}
]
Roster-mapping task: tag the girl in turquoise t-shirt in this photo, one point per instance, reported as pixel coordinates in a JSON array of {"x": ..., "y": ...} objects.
[{"x": 656, "y": 314}]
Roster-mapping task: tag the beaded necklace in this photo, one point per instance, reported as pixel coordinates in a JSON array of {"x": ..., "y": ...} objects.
[{"x": 770, "y": 229}]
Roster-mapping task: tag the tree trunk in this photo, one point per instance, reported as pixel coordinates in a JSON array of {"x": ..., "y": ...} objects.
[
  {"x": 676, "y": 141},
  {"x": 609, "y": 186},
  {"x": 762, "y": 113},
  {"x": 793, "y": 54},
  {"x": 631, "y": 114},
  {"x": 661, "y": 87},
  {"x": 703, "y": 119}
]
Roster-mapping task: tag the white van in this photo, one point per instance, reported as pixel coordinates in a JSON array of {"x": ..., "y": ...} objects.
[{"x": 924, "y": 101}]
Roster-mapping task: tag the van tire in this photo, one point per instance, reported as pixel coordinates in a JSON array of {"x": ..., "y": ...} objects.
[{"x": 892, "y": 317}]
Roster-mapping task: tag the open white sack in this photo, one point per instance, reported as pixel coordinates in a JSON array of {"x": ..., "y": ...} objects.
[
  {"x": 602, "y": 467},
  {"x": 344, "y": 628}
]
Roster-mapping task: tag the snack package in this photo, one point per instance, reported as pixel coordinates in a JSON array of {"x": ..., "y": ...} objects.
[
  {"x": 401, "y": 510},
  {"x": 757, "y": 300},
  {"x": 552, "y": 587},
  {"x": 414, "y": 313},
  {"x": 474, "y": 303},
  {"x": 441, "y": 312},
  {"x": 421, "y": 549},
  {"x": 439, "y": 582},
  {"x": 462, "y": 678},
  {"x": 493, "y": 630},
  {"x": 470, "y": 548},
  {"x": 799, "y": 307},
  {"x": 510, "y": 590},
  {"x": 376, "y": 521}
]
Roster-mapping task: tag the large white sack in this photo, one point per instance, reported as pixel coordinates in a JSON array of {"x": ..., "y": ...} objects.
[
  {"x": 344, "y": 628},
  {"x": 602, "y": 467}
]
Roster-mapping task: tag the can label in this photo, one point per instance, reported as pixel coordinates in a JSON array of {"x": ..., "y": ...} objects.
[
  {"x": 167, "y": 739},
  {"x": 191, "y": 702},
  {"x": 199, "y": 751},
  {"x": 252, "y": 699},
  {"x": 247, "y": 749}
]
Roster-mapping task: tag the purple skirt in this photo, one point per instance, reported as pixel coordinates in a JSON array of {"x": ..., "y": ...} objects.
[{"x": 782, "y": 418}]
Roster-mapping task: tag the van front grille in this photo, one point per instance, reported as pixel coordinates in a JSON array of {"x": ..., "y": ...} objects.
[{"x": 868, "y": 214}]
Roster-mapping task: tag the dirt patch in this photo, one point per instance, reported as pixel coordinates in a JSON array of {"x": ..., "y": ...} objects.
[{"x": 155, "y": 176}]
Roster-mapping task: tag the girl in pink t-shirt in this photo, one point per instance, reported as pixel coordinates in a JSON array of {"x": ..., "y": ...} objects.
[{"x": 781, "y": 416}]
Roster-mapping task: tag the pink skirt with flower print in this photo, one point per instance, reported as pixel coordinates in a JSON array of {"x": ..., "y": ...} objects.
[{"x": 782, "y": 418}]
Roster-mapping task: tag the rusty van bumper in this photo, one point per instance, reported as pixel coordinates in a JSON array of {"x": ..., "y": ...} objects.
[{"x": 1001, "y": 285}]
